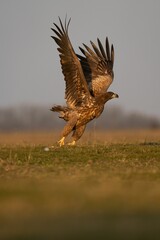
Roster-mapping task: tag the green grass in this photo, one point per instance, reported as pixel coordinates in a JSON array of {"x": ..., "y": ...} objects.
[{"x": 84, "y": 192}]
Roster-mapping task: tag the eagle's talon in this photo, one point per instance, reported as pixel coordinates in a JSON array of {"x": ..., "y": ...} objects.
[
  {"x": 72, "y": 143},
  {"x": 61, "y": 142}
]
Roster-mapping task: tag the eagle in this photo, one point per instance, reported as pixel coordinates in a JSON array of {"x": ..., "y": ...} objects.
[{"x": 87, "y": 78}]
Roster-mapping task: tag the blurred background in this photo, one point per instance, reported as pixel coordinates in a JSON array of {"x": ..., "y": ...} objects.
[
  {"x": 30, "y": 76},
  {"x": 96, "y": 191}
]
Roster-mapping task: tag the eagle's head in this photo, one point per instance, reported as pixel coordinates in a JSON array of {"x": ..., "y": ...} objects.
[
  {"x": 105, "y": 97},
  {"x": 110, "y": 95}
]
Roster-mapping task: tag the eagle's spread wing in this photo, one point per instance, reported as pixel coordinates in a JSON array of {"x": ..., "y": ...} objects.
[
  {"x": 76, "y": 91},
  {"x": 97, "y": 66}
]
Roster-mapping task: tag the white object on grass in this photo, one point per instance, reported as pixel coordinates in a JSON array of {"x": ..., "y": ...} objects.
[{"x": 46, "y": 149}]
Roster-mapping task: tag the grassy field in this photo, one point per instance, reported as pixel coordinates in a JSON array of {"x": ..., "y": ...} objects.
[{"x": 107, "y": 187}]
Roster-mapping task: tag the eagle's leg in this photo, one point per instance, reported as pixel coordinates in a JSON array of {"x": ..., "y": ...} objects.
[
  {"x": 68, "y": 129},
  {"x": 77, "y": 133}
]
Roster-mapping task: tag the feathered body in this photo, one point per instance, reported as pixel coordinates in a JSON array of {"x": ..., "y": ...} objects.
[
  {"x": 86, "y": 113},
  {"x": 87, "y": 79}
]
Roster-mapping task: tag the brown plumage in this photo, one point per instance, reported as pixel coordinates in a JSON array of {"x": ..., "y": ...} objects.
[
  {"x": 97, "y": 66},
  {"x": 87, "y": 78}
]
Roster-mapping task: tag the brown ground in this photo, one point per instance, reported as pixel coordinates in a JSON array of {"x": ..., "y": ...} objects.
[{"x": 91, "y": 137}]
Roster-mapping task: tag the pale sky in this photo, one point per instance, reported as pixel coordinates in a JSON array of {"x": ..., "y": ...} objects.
[{"x": 30, "y": 72}]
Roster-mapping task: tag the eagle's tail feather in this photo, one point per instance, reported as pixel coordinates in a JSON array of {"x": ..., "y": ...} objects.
[
  {"x": 57, "y": 108},
  {"x": 62, "y": 110}
]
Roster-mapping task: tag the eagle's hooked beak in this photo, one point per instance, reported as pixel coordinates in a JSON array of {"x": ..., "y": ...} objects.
[{"x": 115, "y": 95}]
